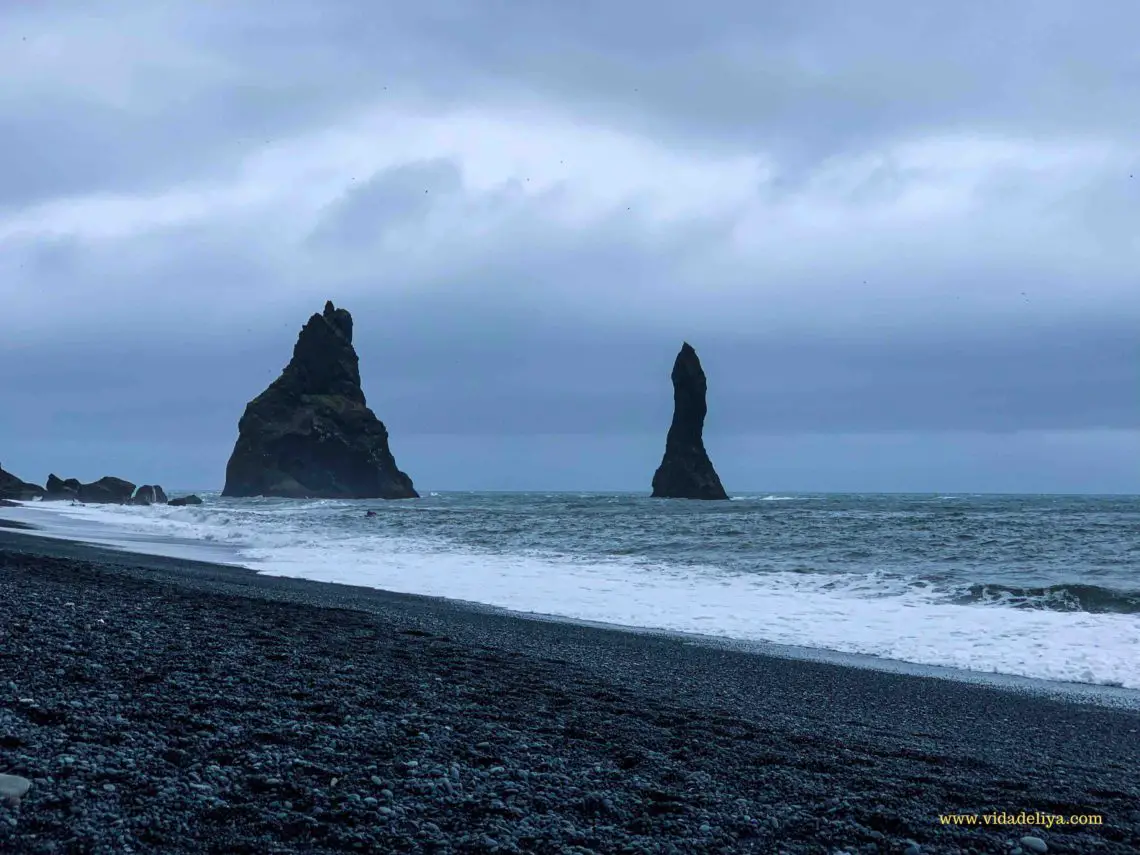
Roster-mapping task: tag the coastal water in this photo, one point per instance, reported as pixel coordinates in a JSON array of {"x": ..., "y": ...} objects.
[{"x": 1034, "y": 586}]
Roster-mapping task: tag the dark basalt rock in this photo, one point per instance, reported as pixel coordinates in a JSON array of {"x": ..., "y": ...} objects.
[
  {"x": 184, "y": 500},
  {"x": 59, "y": 489},
  {"x": 686, "y": 471},
  {"x": 12, "y": 487},
  {"x": 149, "y": 494},
  {"x": 311, "y": 434},
  {"x": 106, "y": 491}
]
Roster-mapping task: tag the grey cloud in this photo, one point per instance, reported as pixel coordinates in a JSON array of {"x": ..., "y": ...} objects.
[
  {"x": 526, "y": 340},
  {"x": 550, "y": 346},
  {"x": 463, "y": 373},
  {"x": 806, "y": 78},
  {"x": 55, "y": 258},
  {"x": 400, "y": 196},
  {"x": 802, "y": 79},
  {"x": 64, "y": 146}
]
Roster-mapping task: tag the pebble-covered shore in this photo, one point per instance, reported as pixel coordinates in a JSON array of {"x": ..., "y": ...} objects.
[{"x": 166, "y": 706}]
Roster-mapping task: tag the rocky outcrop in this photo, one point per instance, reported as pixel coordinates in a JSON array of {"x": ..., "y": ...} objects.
[
  {"x": 686, "y": 471},
  {"x": 184, "y": 500},
  {"x": 59, "y": 489},
  {"x": 12, "y": 487},
  {"x": 106, "y": 491},
  {"x": 311, "y": 434},
  {"x": 149, "y": 494}
]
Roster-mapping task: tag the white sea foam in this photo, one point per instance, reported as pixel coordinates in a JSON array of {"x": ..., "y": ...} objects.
[
  {"x": 768, "y": 498},
  {"x": 877, "y": 614}
]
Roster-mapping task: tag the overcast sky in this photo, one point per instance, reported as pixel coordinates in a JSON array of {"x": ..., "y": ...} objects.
[{"x": 903, "y": 237}]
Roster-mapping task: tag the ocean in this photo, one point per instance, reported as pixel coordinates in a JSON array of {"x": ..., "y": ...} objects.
[{"x": 1029, "y": 586}]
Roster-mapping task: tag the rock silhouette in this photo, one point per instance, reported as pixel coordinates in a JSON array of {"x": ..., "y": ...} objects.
[
  {"x": 108, "y": 490},
  {"x": 311, "y": 434},
  {"x": 184, "y": 500},
  {"x": 12, "y": 487},
  {"x": 149, "y": 494},
  {"x": 686, "y": 471},
  {"x": 60, "y": 489}
]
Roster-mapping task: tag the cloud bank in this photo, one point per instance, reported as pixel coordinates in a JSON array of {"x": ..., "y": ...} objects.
[{"x": 890, "y": 231}]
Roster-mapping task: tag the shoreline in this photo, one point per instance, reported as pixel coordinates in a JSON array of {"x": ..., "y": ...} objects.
[
  {"x": 217, "y": 555},
  {"x": 230, "y": 711}
]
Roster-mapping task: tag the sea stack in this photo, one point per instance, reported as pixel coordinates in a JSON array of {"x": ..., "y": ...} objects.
[
  {"x": 310, "y": 435},
  {"x": 686, "y": 471}
]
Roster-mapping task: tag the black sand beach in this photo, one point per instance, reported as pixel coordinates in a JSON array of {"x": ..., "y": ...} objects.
[{"x": 160, "y": 705}]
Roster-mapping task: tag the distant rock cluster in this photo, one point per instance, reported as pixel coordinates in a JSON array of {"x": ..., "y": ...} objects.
[{"x": 106, "y": 491}]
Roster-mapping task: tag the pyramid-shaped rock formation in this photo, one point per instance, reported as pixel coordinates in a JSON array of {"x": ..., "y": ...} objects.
[
  {"x": 310, "y": 434},
  {"x": 686, "y": 471}
]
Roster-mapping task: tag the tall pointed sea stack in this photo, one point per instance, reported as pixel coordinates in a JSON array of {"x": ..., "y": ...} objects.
[
  {"x": 686, "y": 471},
  {"x": 310, "y": 435}
]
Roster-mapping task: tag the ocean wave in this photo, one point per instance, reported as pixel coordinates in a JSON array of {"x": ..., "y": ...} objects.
[
  {"x": 1093, "y": 599},
  {"x": 1078, "y": 633},
  {"x": 769, "y": 498}
]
